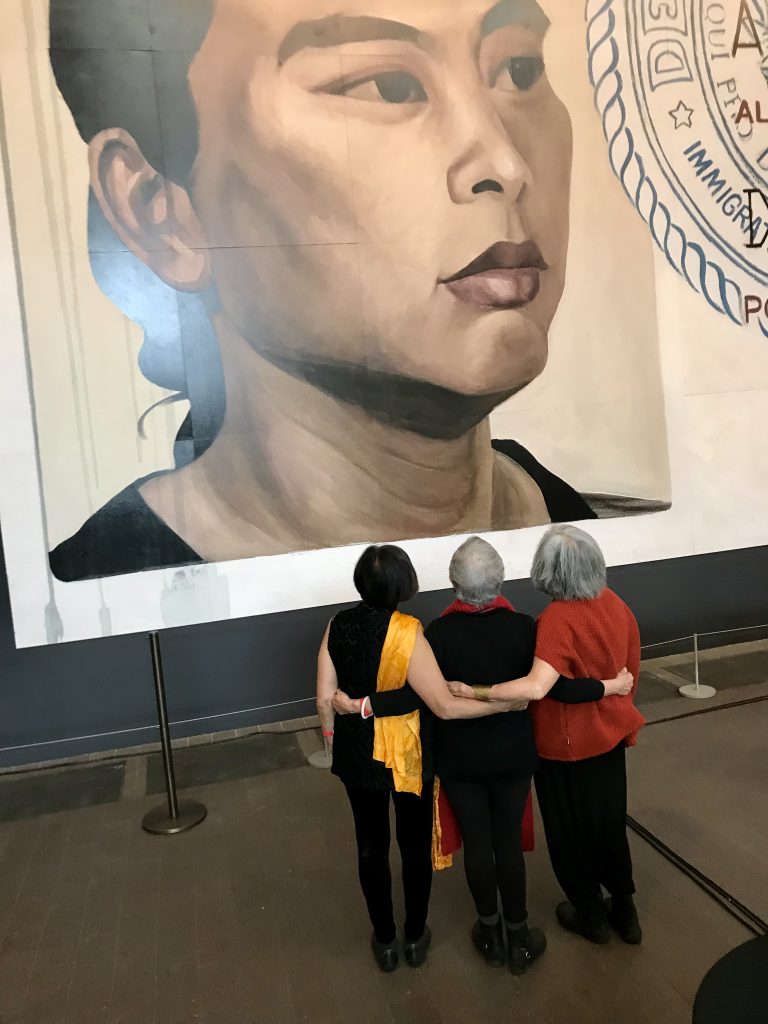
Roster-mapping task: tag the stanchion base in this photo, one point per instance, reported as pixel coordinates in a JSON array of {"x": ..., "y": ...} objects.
[
  {"x": 160, "y": 823},
  {"x": 697, "y": 692},
  {"x": 321, "y": 759}
]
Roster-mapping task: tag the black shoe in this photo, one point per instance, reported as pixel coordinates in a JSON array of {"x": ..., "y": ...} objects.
[
  {"x": 525, "y": 946},
  {"x": 385, "y": 954},
  {"x": 489, "y": 940},
  {"x": 416, "y": 949},
  {"x": 622, "y": 915},
  {"x": 593, "y": 927}
]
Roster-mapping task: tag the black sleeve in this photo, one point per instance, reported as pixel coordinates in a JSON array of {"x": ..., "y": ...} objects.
[
  {"x": 395, "y": 702},
  {"x": 577, "y": 691},
  {"x": 124, "y": 536},
  {"x": 564, "y": 504}
]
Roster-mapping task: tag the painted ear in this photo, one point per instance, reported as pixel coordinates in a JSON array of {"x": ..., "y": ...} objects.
[{"x": 153, "y": 217}]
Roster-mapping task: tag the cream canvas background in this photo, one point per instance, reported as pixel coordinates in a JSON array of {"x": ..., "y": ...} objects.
[{"x": 596, "y": 417}]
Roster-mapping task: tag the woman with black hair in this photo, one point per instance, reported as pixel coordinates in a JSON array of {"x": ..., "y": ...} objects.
[{"x": 373, "y": 647}]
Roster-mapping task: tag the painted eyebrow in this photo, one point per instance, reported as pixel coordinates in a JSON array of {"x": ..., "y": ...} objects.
[
  {"x": 515, "y": 12},
  {"x": 343, "y": 28}
]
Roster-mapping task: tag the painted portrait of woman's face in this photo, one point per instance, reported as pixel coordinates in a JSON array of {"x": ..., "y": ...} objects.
[{"x": 404, "y": 168}]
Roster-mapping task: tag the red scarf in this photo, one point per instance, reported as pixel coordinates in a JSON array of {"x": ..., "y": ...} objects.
[
  {"x": 477, "y": 609},
  {"x": 450, "y": 834}
]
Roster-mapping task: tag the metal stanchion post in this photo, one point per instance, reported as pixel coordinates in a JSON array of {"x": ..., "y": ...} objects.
[
  {"x": 695, "y": 689},
  {"x": 179, "y": 816}
]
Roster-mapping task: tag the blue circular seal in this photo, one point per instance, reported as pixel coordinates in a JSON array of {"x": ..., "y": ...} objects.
[{"x": 685, "y": 115}]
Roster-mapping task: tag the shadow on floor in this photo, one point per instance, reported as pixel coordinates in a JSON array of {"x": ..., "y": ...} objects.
[
  {"x": 65, "y": 790},
  {"x": 225, "y": 762}
]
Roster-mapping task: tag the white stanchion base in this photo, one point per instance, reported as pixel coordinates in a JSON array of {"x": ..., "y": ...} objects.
[
  {"x": 697, "y": 692},
  {"x": 321, "y": 759}
]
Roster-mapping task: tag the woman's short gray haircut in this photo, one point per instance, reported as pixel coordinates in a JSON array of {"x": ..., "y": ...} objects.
[
  {"x": 568, "y": 565},
  {"x": 476, "y": 572}
]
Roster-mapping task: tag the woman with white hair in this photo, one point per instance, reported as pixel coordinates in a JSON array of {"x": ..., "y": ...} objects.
[
  {"x": 581, "y": 783},
  {"x": 485, "y": 766},
  {"x": 370, "y": 650}
]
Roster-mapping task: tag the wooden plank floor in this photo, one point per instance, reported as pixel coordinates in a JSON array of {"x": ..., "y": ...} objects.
[{"x": 256, "y": 917}]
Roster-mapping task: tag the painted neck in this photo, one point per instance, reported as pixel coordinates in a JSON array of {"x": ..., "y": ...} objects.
[{"x": 309, "y": 470}]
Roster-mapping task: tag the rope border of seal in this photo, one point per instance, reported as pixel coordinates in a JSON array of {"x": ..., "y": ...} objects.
[{"x": 685, "y": 257}]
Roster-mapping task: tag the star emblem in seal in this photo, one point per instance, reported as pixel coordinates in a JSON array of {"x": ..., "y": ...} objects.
[{"x": 682, "y": 115}]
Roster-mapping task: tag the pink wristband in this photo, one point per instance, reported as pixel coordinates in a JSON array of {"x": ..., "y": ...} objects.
[{"x": 327, "y": 734}]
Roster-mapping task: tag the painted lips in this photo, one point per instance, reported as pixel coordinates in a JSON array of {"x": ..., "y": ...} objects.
[{"x": 505, "y": 276}]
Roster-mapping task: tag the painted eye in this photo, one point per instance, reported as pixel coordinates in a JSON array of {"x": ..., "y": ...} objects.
[
  {"x": 387, "y": 87},
  {"x": 519, "y": 74}
]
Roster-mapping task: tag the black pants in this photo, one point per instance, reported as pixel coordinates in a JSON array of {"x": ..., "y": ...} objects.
[
  {"x": 584, "y": 807},
  {"x": 490, "y": 815},
  {"x": 413, "y": 828}
]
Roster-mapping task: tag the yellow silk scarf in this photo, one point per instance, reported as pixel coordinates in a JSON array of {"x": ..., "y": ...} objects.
[{"x": 396, "y": 741}]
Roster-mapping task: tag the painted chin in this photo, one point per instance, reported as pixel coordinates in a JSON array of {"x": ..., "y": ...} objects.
[{"x": 503, "y": 354}]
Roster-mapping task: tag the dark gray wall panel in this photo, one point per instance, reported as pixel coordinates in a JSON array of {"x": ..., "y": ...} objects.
[{"x": 97, "y": 695}]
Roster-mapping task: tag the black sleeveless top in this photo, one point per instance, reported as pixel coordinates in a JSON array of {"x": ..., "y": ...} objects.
[{"x": 355, "y": 642}]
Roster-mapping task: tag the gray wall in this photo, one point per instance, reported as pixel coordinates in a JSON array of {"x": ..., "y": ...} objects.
[{"x": 97, "y": 695}]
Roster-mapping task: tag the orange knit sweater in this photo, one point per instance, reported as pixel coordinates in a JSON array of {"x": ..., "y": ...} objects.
[{"x": 587, "y": 640}]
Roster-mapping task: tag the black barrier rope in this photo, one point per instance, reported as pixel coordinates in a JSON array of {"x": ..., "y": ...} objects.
[
  {"x": 708, "y": 711},
  {"x": 746, "y": 917}
]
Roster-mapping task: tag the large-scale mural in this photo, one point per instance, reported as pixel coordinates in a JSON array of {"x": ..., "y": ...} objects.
[
  {"x": 290, "y": 277},
  {"x": 379, "y": 237}
]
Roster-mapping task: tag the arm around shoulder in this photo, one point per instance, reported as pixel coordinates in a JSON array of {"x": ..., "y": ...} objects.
[{"x": 535, "y": 686}]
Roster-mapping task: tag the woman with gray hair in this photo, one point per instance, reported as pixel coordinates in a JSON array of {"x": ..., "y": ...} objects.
[
  {"x": 485, "y": 765},
  {"x": 581, "y": 783}
]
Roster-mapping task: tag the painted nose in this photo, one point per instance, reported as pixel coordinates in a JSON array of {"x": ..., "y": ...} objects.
[{"x": 488, "y": 161}]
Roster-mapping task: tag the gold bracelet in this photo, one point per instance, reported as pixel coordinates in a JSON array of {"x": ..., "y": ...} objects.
[{"x": 482, "y": 693}]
